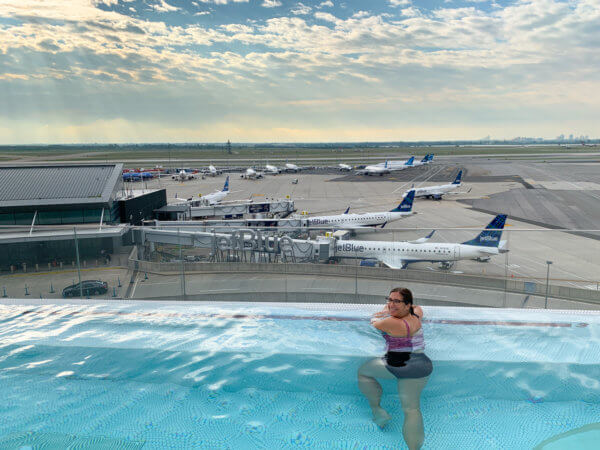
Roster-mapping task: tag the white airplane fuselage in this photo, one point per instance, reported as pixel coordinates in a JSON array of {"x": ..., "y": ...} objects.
[
  {"x": 395, "y": 254},
  {"x": 215, "y": 197},
  {"x": 291, "y": 167},
  {"x": 432, "y": 191},
  {"x": 358, "y": 220},
  {"x": 271, "y": 169}
]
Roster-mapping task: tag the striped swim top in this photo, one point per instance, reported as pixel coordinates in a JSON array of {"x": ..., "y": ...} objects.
[{"x": 406, "y": 343}]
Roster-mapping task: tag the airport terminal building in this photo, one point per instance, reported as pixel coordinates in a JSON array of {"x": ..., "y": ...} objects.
[
  {"x": 61, "y": 194},
  {"x": 40, "y": 206},
  {"x": 72, "y": 194}
]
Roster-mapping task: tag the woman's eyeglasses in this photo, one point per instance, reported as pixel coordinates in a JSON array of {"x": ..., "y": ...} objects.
[{"x": 397, "y": 301}]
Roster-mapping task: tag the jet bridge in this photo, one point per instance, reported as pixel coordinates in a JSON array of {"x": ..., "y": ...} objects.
[
  {"x": 195, "y": 210},
  {"x": 241, "y": 245}
]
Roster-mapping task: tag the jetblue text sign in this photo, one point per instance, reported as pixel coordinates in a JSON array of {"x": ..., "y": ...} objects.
[{"x": 253, "y": 240}]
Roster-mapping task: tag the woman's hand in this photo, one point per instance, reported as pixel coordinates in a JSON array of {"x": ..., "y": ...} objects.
[{"x": 385, "y": 312}]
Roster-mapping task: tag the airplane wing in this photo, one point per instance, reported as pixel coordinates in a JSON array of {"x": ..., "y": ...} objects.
[
  {"x": 393, "y": 262},
  {"x": 458, "y": 192}
]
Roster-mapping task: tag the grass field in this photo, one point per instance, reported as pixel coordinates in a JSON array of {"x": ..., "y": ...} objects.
[{"x": 178, "y": 154}]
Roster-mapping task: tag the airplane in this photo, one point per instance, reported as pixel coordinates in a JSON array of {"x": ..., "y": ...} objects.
[
  {"x": 217, "y": 196},
  {"x": 212, "y": 171},
  {"x": 132, "y": 176},
  {"x": 182, "y": 175},
  {"x": 289, "y": 167},
  {"x": 252, "y": 174},
  {"x": 397, "y": 255},
  {"x": 271, "y": 169},
  {"x": 436, "y": 192},
  {"x": 400, "y": 165},
  {"x": 344, "y": 167},
  {"x": 372, "y": 219},
  {"x": 424, "y": 161},
  {"x": 375, "y": 169},
  {"x": 387, "y": 167}
]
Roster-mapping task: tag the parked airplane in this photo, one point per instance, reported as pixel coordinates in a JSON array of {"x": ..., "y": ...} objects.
[
  {"x": 212, "y": 171},
  {"x": 372, "y": 219},
  {"x": 217, "y": 196},
  {"x": 426, "y": 160},
  {"x": 400, "y": 165},
  {"x": 132, "y": 176},
  {"x": 182, "y": 175},
  {"x": 289, "y": 167},
  {"x": 375, "y": 169},
  {"x": 387, "y": 167},
  {"x": 252, "y": 174},
  {"x": 273, "y": 170},
  {"x": 345, "y": 167},
  {"x": 436, "y": 192},
  {"x": 398, "y": 255}
]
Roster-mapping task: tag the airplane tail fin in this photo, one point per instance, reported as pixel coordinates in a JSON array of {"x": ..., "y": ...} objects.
[
  {"x": 425, "y": 158},
  {"x": 407, "y": 203},
  {"x": 226, "y": 185},
  {"x": 458, "y": 178},
  {"x": 410, "y": 161},
  {"x": 430, "y": 157},
  {"x": 347, "y": 210},
  {"x": 490, "y": 237}
]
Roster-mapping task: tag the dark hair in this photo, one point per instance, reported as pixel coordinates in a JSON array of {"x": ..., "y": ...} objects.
[{"x": 407, "y": 296}]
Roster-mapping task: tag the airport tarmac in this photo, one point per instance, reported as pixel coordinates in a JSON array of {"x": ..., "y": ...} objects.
[{"x": 490, "y": 186}]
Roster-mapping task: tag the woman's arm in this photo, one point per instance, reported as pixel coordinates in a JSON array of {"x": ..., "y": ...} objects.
[
  {"x": 383, "y": 313},
  {"x": 391, "y": 326}
]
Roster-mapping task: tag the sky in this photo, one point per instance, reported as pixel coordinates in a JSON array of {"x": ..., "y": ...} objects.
[{"x": 100, "y": 71}]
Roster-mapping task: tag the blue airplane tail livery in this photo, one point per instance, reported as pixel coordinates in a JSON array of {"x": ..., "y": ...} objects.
[
  {"x": 347, "y": 210},
  {"x": 410, "y": 161},
  {"x": 226, "y": 185},
  {"x": 458, "y": 178},
  {"x": 425, "y": 158},
  {"x": 490, "y": 237},
  {"x": 406, "y": 205},
  {"x": 431, "y": 157}
]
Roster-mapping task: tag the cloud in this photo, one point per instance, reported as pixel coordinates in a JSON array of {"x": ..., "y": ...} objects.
[
  {"x": 163, "y": 6},
  {"x": 411, "y": 12},
  {"x": 301, "y": 9},
  {"x": 271, "y": 3},
  {"x": 224, "y": 2},
  {"x": 400, "y": 2},
  {"x": 327, "y": 3},
  {"x": 326, "y": 16},
  {"x": 473, "y": 57}
]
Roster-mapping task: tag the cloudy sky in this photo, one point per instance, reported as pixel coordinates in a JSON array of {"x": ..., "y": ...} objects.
[{"x": 286, "y": 71}]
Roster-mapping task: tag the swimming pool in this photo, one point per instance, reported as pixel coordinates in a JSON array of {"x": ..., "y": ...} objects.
[{"x": 186, "y": 375}]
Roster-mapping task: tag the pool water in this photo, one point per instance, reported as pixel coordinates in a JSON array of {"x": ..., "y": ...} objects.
[{"x": 158, "y": 375}]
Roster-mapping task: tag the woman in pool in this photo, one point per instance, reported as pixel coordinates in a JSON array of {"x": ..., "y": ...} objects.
[{"x": 400, "y": 324}]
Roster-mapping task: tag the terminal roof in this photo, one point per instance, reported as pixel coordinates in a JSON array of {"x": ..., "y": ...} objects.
[{"x": 57, "y": 184}]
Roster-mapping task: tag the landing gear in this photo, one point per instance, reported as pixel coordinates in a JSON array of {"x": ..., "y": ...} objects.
[{"x": 446, "y": 265}]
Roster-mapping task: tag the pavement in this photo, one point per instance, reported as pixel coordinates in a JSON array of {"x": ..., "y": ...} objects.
[{"x": 41, "y": 284}]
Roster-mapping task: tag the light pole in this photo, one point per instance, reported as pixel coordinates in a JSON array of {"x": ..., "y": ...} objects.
[{"x": 547, "y": 283}]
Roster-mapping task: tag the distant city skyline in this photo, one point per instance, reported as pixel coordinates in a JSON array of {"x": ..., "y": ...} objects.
[{"x": 137, "y": 71}]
